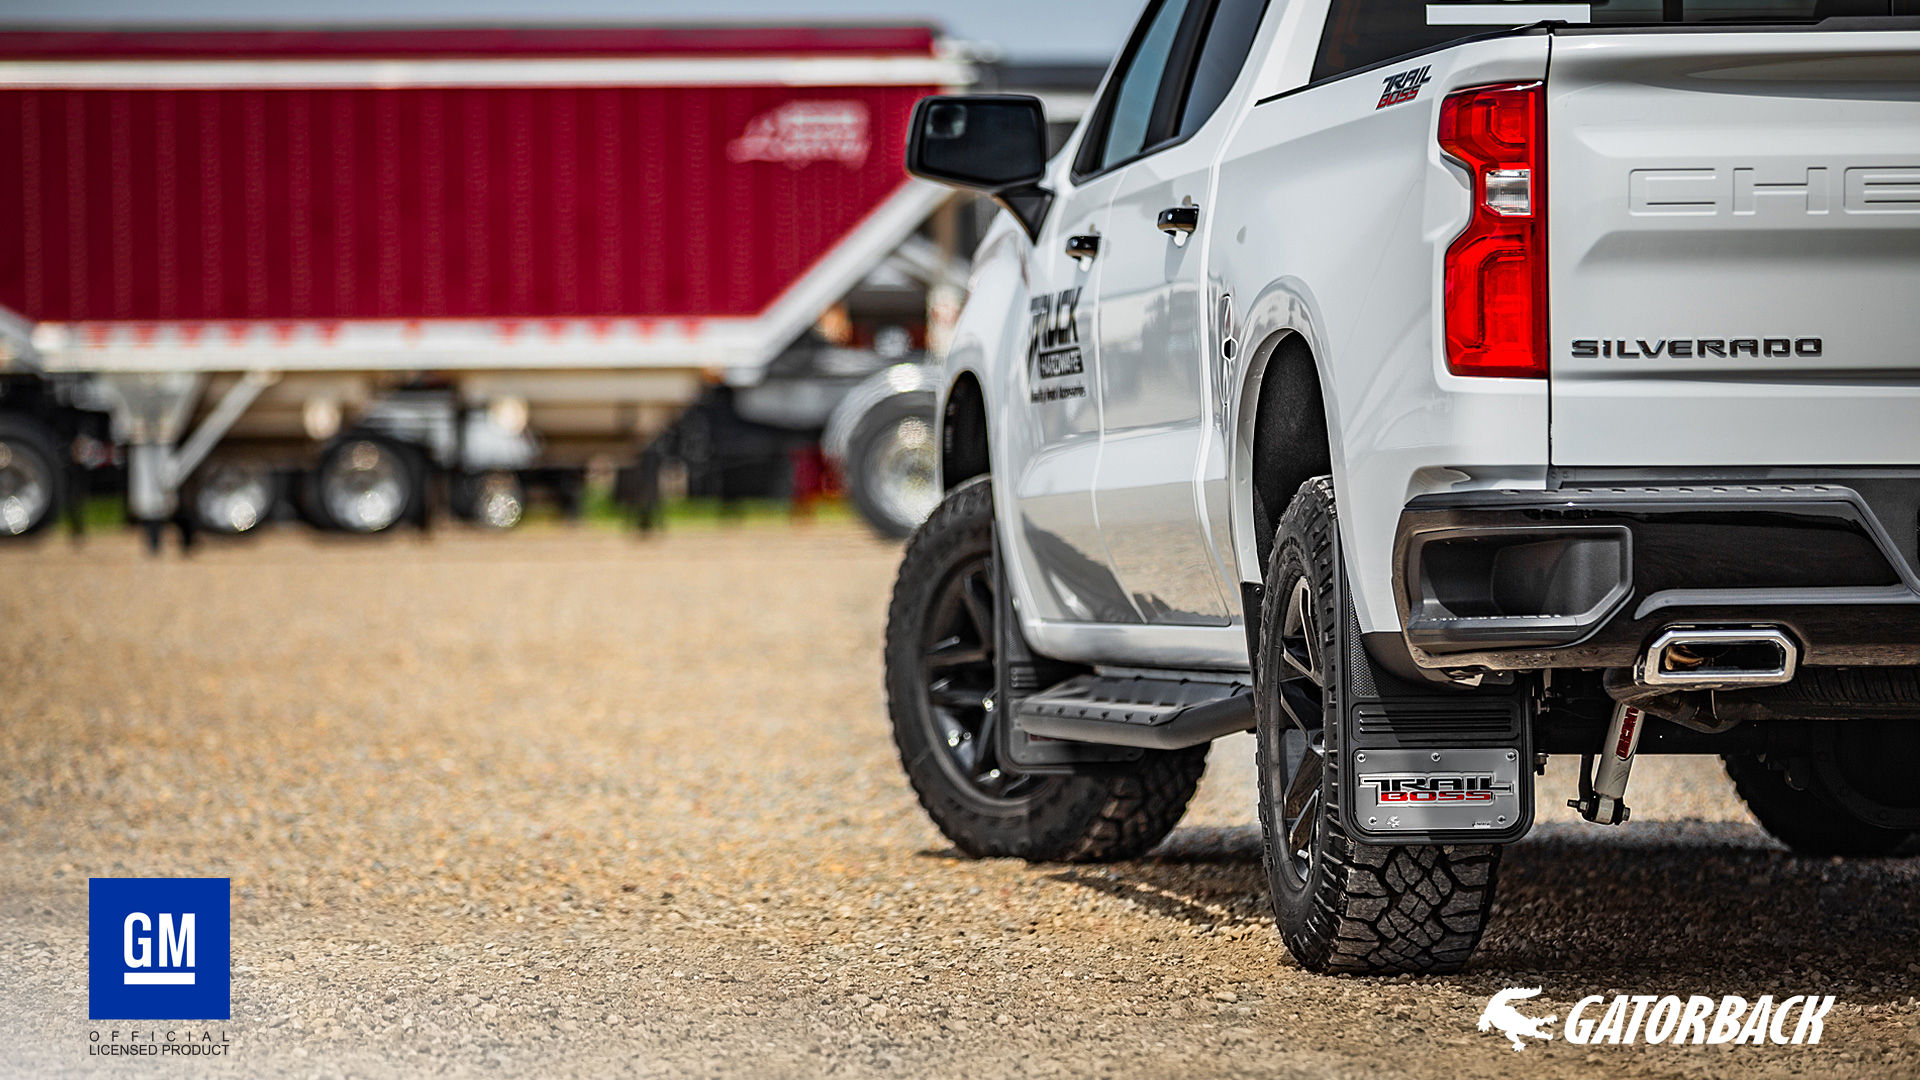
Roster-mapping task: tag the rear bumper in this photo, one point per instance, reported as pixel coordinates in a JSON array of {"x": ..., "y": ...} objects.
[{"x": 1586, "y": 576}]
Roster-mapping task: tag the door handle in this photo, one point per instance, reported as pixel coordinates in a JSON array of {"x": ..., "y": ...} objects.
[
  {"x": 1179, "y": 221},
  {"x": 1083, "y": 248}
]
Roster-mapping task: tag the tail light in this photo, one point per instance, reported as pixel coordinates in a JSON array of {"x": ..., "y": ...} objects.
[{"x": 1496, "y": 271}]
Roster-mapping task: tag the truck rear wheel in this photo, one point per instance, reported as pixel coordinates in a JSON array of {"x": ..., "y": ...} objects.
[
  {"x": 1342, "y": 906},
  {"x": 941, "y": 680},
  {"x": 893, "y": 466},
  {"x": 1803, "y": 820},
  {"x": 32, "y": 481}
]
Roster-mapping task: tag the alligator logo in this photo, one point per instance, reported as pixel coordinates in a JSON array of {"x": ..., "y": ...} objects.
[{"x": 1501, "y": 1014}]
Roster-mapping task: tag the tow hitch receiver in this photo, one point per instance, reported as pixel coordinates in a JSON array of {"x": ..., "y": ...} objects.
[{"x": 1601, "y": 790}]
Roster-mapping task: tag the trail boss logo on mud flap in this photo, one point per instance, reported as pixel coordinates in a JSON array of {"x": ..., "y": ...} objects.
[
  {"x": 1405, "y": 789},
  {"x": 1403, "y": 86},
  {"x": 1698, "y": 1020},
  {"x": 1053, "y": 346},
  {"x": 1462, "y": 789}
]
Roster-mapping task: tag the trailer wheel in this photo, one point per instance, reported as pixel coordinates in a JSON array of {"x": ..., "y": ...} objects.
[
  {"x": 233, "y": 497},
  {"x": 32, "y": 481},
  {"x": 368, "y": 484},
  {"x": 1342, "y": 905},
  {"x": 893, "y": 466},
  {"x": 496, "y": 500}
]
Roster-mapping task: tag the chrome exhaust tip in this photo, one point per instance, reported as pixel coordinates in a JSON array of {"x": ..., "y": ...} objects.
[{"x": 1719, "y": 658}]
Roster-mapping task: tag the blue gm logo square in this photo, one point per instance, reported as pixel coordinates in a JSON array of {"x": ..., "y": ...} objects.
[{"x": 159, "y": 949}]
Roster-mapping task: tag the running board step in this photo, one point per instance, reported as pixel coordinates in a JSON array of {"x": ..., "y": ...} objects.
[{"x": 1151, "y": 713}]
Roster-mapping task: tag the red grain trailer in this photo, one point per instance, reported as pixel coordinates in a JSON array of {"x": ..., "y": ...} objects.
[{"x": 240, "y": 243}]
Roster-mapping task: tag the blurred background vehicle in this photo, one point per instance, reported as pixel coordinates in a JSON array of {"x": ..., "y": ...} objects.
[
  {"x": 360, "y": 277},
  {"x": 371, "y": 273},
  {"x": 881, "y": 438}
]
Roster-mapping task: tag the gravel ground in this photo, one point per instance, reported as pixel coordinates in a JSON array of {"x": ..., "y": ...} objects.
[{"x": 572, "y": 803}]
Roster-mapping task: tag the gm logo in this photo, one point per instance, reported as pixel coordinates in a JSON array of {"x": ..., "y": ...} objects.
[{"x": 159, "y": 949}]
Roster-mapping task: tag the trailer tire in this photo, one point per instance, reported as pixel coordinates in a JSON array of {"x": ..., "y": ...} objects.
[
  {"x": 1342, "y": 905},
  {"x": 494, "y": 500},
  {"x": 33, "y": 477},
  {"x": 1803, "y": 820},
  {"x": 940, "y": 725},
  {"x": 231, "y": 497},
  {"x": 367, "y": 484},
  {"x": 893, "y": 465}
]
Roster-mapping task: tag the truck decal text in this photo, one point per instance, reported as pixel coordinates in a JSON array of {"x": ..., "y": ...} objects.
[
  {"x": 1403, "y": 86},
  {"x": 1053, "y": 339},
  {"x": 1774, "y": 348}
]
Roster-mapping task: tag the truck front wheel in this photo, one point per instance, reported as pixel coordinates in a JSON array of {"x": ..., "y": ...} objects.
[
  {"x": 941, "y": 680},
  {"x": 1342, "y": 906}
]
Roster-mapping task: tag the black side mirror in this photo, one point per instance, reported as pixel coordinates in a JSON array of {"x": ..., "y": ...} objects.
[{"x": 995, "y": 144}]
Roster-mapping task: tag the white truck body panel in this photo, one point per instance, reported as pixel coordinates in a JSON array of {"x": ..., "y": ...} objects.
[
  {"x": 1333, "y": 219},
  {"x": 1728, "y": 187},
  {"x": 1326, "y": 214}
]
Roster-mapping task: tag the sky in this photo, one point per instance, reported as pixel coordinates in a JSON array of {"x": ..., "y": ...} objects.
[{"x": 1028, "y": 30}]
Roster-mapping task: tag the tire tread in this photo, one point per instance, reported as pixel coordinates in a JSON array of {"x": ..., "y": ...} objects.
[
  {"x": 1371, "y": 909},
  {"x": 1120, "y": 812}
]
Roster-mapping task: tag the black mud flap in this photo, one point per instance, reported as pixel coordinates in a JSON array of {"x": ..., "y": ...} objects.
[
  {"x": 1423, "y": 764},
  {"x": 1021, "y": 675}
]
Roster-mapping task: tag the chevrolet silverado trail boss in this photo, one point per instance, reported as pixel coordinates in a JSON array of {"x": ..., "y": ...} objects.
[{"x": 1429, "y": 394}]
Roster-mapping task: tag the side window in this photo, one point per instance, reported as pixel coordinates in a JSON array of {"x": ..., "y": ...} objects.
[
  {"x": 1128, "y": 111},
  {"x": 1361, "y": 33},
  {"x": 1223, "y": 54}
]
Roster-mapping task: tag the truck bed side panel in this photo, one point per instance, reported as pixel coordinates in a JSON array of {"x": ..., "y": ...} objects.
[{"x": 1334, "y": 217}]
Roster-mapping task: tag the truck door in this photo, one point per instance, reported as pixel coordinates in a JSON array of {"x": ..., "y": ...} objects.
[
  {"x": 1067, "y": 567},
  {"x": 1056, "y": 407},
  {"x": 1156, "y": 382}
]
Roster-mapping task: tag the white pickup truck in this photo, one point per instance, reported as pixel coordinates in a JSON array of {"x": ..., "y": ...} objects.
[{"x": 1429, "y": 388}]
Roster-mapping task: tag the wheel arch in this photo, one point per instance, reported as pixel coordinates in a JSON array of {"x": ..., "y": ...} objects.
[
  {"x": 1280, "y": 395},
  {"x": 1283, "y": 439},
  {"x": 964, "y": 450}
]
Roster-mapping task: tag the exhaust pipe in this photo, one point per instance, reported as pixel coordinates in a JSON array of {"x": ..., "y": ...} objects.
[
  {"x": 1681, "y": 659},
  {"x": 1718, "y": 658}
]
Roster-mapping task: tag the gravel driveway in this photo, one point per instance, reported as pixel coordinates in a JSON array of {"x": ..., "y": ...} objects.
[{"x": 566, "y": 803}]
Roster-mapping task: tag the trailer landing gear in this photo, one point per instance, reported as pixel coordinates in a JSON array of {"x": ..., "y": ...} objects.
[{"x": 150, "y": 411}]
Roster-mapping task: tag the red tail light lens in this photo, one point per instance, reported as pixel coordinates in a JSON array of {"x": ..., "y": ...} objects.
[{"x": 1496, "y": 273}]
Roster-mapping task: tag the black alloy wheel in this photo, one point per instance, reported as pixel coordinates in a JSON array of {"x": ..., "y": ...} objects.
[
  {"x": 1301, "y": 694},
  {"x": 958, "y": 665},
  {"x": 942, "y": 690}
]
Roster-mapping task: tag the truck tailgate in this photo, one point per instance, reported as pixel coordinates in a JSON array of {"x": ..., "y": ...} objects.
[{"x": 1734, "y": 248}]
